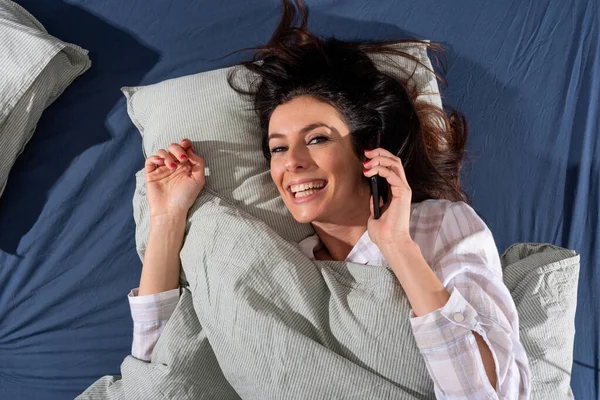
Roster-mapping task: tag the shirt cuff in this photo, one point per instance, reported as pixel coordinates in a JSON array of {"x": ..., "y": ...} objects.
[
  {"x": 445, "y": 325},
  {"x": 152, "y": 307}
]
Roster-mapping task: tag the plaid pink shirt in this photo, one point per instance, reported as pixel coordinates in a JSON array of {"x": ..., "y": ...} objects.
[{"x": 460, "y": 249}]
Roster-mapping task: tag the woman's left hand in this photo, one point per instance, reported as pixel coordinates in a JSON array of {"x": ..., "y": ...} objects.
[{"x": 392, "y": 227}]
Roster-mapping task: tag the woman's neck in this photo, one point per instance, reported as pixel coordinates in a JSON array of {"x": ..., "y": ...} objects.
[
  {"x": 338, "y": 242},
  {"x": 339, "y": 238}
]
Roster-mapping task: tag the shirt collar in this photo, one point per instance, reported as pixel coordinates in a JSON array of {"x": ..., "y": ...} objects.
[{"x": 364, "y": 252}]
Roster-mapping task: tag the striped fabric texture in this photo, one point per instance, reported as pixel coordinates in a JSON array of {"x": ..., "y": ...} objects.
[
  {"x": 150, "y": 314},
  {"x": 234, "y": 305},
  {"x": 276, "y": 320},
  {"x": 225, "y": 131},
  {"x": 543, "y": 279},
  {"x": 35, "y": 68},
  {"x": 461, "y": 251}
]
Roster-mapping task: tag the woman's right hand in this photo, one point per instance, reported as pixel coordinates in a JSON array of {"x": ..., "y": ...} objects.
[{"x": 174, "y": 179}]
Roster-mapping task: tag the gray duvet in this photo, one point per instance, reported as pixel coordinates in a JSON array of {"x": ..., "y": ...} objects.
[{"x": 258, "y": 320}]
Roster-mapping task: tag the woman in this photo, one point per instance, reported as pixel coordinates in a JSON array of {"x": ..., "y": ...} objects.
[{"x": 320, "y": 103}]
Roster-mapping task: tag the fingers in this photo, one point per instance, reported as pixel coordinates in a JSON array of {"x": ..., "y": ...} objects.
[
  {"x": 152, "y": 163},
  {"x": 185, "y": 144},
  {"x": 168, "y": 158},
  {"x": 384, "y": 158},
  {"x": 194, "y": 158},
  {"x": 380, "y": 151},
  {"x": 386, "y": 173},
  {"x": 184, "y": 152},
  {"x": 178, "y": 152},
  {"x": 383, "y": 161}
]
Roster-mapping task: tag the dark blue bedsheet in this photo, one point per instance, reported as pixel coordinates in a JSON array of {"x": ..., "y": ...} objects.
[{"x": 527, "y": 74}]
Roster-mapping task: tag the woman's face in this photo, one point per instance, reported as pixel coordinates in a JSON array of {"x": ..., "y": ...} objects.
[{"x": 313, "y": 162}]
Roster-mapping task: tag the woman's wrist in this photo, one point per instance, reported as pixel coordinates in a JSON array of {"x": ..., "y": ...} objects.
[
  {"x": 161, "y": 260},
  {"x": 424, "y": 290},
  {"x": 401, "y": 248},
  {"x": 168, "y": 220}
]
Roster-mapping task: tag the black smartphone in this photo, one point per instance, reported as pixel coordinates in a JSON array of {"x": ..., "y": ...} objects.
[{"x": 379, "y": 187}]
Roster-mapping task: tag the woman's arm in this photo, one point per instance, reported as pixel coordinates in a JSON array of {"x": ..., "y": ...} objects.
[
  {"x": 153, "y": 303},
  {"x": 160, "y": 271},
  {"x": 464, "y": 320},
  {"x": 174, "y": 179},
  {"x": 426, "y": 293}
]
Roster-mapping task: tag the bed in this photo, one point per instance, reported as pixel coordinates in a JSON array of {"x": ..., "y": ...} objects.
[{"x": 526, "y": 75}]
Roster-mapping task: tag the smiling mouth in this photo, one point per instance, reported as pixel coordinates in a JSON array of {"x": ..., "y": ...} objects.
[{"x": 306, "y": 189}]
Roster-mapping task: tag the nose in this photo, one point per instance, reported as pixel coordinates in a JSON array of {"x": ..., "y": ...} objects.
[{"x": 296, "y": 158}]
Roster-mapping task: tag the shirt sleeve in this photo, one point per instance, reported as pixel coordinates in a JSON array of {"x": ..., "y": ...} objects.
[
  {"x": 466, "y": 261},
  {"x": 150, "y": 314}
]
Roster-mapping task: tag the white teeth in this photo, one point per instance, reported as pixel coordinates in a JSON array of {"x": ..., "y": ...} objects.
[
  {"x": 306, "y": 186},
  {"x": 306, "y": 193}
]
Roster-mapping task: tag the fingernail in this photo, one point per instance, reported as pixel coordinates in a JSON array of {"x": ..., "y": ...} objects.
[
  {"x": 365, "y": 162},
  {"x": 182, "y": 157},
  {"x": 368, "y": 151},
  {"x": 365, "y": 170},
  {"x": 173, "y": 165}
]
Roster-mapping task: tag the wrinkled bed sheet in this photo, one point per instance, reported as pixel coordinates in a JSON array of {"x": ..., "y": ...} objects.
[{"x": 527, "y": 76}]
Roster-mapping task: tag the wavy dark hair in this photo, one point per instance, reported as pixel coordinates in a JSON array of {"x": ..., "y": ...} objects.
[{"x": 295, "y": 62}]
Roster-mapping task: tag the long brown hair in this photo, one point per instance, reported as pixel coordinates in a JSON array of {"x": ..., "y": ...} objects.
[{"x": 295, "y": 62}]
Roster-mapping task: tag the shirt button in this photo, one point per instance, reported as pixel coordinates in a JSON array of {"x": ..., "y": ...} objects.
[{"x": 458, "y": 317}]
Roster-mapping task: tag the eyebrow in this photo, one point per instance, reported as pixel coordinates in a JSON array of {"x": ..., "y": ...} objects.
[{"x": 304, "y": 130}]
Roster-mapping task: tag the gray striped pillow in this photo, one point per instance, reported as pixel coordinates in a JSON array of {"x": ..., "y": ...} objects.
[
  {"x": 225, "y": 131},
  {"x": 542, "y": 279},
  {"x": 34, "y": 71}
]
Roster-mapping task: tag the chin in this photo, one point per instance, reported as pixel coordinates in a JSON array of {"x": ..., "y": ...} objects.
[
  {"x": 303, "y": 218},
  {"x": 308, "y": 211}
]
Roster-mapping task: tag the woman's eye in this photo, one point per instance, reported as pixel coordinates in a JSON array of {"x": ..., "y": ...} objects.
[
  {"x": 277, "y": 149},
  {"x": 315, "y": 140},
  {"x": 318, "y": 139}
]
